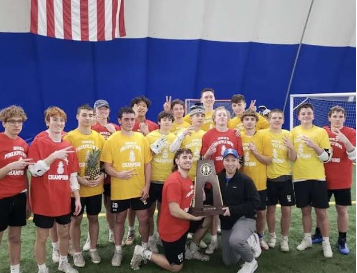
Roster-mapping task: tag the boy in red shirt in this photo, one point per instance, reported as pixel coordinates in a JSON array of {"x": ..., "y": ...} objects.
[
  {"x": 13, "y": 180},
  {"x": 339, "y": 172},
  {"x": 54, "y": 178}
]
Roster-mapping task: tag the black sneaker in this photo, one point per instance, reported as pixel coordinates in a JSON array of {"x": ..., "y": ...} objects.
[{"x": 316, "y": 238}]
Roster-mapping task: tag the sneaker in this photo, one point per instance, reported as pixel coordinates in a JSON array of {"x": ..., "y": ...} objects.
[
  {"x": 55, "y": 255},
  {"x": 271, "y": 240},
  {"x": 70, "y": 249},
  {"x": 152, "y": 246},
  {"x": 343, "y": 248},
  {"x": 137, "y": 257},
  {"x": 43, "y": 271},
  {"x": 130, "y": 239},
  {"x": 211, "y": 247},
  {"x": 196, "y": 255},
  {"x": 111, "y": 236},
  {"x": 263, "y": 244},
  {"x": 326, "y": 248},
  {"x": 94, "y": 256},
  {"x": 189, "y": 236},
  {"x": 203, "y": 244},
  {"x": 316, "y": 238},
  {"x": 158, "y": 242},
  {"x": 249, "y": 267},
  {"x": 284, "y": 244},
  {"x": 117, "y": 257},
  {"x": 78, "y": 260},
  {"x": 219, "y": 231},
  {"x": 66, "y": 267},
  {"x": 254, "y": 243},
  {"x": 86, "y": 246},
  {"x": 305, "y": 243}
]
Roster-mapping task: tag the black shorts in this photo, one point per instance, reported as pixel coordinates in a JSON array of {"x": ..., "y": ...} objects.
[
  {"x": 281, "y": 192},
  {"x": 195, "y": 225},
  {"x": 155, "y": 193},
  {"x": 311, "y": 193},
  {"x": 42, "y": 221},
  {"x": 342, "y": 196},
  {"x": 175, "y": 251},
  {"x": 118, "y": 206},
  {"x": 93, "y": 205},
  {"x": 107, "y": 190},
  {"x": 13, "y": 211},
  {"x": 209, "y": 196},
  {"x": 263, "y": 200}
]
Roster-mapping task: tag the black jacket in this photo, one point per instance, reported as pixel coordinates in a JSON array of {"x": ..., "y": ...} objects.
[{"x": 240, "y": 195}]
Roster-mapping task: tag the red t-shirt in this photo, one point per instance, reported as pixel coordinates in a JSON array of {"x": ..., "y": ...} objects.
[
  {"x": 226, "y": 140},
  {"x": 179, "y": 190},
  {"x": 151, "y": 126},
  {"x": 51, "y": 193},
  {"x": 339, "y": 169},
  {"x": 45, "y": 133},
  {"x": 103, "y": 130},
  {"x": 12, "y": 150}
]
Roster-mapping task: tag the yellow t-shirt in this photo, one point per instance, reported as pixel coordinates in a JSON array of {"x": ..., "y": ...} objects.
[
  {"x": 83, "y": 144},
  {"x": 127, "y": 153},
  {"x": 161, "y": 163},
  {"x": 194, "y": 143},
  {"x": 236, "y": 123},
  {"x": 307, "y": 165},
  {"x": 252, "y": 166},
  {"x": 207, "y": 123},
  {"x": 176, "y": 127},
  {"x": 281, "y": 164}
]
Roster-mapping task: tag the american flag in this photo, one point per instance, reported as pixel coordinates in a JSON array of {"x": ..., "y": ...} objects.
[{"x": 81, "y": 20}]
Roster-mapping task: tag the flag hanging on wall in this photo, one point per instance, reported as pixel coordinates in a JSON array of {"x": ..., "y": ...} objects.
[{"x": 80, "y": 20}]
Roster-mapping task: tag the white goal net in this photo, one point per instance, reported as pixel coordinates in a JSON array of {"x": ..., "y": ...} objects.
[
  {"x": 322, "y": 104},
  {"x": 217, "y": 103}
]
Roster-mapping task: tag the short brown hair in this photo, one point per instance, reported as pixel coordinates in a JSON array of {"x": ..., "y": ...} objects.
[
  {"x": 53, "y": 111},
  {"x": 177, "y": 155},
  {"x": 84, "y": 107},
  {"x": 337, "y": 108},
  {"x": 249, "y": 113},
  {"x": 12, "y": 111},
  {"x": 164, "y": 114},
  {"x": 207, "y": 89},
  {"x": 276, "y": 110},
  {"x": 304, "y": 105},
  {"x": 177, "y": 101},
  {"x": 237, "y": 98}
]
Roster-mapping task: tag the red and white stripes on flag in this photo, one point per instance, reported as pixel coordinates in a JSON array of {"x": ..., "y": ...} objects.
[{"x": 81, "y": 20}]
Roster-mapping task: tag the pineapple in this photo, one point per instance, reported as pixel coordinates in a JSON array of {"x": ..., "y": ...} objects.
[{"x": 92, "y": 164}]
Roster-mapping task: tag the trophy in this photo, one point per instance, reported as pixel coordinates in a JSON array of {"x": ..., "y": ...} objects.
[{"x": 206, "y": 173}]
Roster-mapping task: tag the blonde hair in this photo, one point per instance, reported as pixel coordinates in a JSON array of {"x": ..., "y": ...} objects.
[
  {"x": 12, "y": 111},
  {"x": 218, "y": 109}
]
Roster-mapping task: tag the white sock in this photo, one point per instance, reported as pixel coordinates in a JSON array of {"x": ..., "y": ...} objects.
[
  {"x": 152, "y": 238},
  {"x": 63, "y": 259},
  {"x": 307, "y": 235},
  {"x": 88, "y": 236},
  {"x": 145, "y": 245},
  {"x": 326, "y": 239},
  {"x": 147, "y": 254},
  {"x": 284, "y": 237},
  {"x": 42, "y": 267},
  {"x": 111, "y": 230},
  {"x": 272, "y": 234},
  {"x": 55, "y": 245},
  {"x": 118, "y": 248},
  {"x": 131, "y": 228},
  {"x": 77, "y": 253},
  {"x": 213, "y": 238},
  {"x": 92, "y": 250},
  {"x": 193, "y": 247},
  {"x": 15, "y": 268}
]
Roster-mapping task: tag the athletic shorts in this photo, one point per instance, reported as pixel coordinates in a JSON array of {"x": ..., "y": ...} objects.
[
  {"x": 155, "y": 193},
  {"x": 118, "y": 206},
  {"x": 263, "y": 200},
  {"x": 311, "y": 193},
  {"x": 107, "y": 190},
  {"x": 175, "y": 251},
  {"x": 13, "y": 211},
  {"x": 281, "y": 192},
  {"x": 42, "y": 221},
  {"x": 195, "y": 225},
  {"x": 342, "y": 196},
  {"x": 93, "y": 205}
]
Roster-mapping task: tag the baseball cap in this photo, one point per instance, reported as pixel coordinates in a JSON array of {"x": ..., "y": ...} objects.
[
  {"x": 230, "y": 152},
  {"x": 100, "y": 103},
  {"x": 197, "y": 108}
]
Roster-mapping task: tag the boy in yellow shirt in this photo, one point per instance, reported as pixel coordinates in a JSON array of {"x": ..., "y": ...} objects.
[{"x": 177, "y": 108}]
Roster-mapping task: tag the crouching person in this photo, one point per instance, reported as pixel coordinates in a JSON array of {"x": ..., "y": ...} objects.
[
  {"x": 241, "y": 199},
  {"x": 174, "y": 219}
]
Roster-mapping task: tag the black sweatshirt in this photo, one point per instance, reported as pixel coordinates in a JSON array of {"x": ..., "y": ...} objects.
[{"x": 240, "y": 195}]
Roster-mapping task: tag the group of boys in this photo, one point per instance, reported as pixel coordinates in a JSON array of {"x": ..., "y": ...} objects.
[{"x": 142, "y": 167}]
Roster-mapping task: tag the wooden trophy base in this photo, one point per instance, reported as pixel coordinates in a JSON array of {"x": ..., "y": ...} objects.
[{"x": 207, "y": 210}]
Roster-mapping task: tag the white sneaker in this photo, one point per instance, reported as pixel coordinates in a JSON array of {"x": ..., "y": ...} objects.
[
  {"x": 305, "y": 243},
  {"x": 189, "y": 236},
  {"x": 130, "y": 238},
  {"x": 94, "y": 256},
  {"x": 196, "y": 255},
  {"x": 43, "y": 271},
  {"x": 203, "y": 244},
  {"x": 137, "y": 257},
  {"x": 212, "y": 247},
  {"x": 78, "y": 260},
  {"x": 55, "y": 255},
  {"x": 117, "y": 257},
  {"x": 254, "y": 243},
  {"x": 66, "y": 267},
  {"x": 111, "y": 236},
  {"x": 70, "y": 248},
  {"x": 284, "y": 244},
  {"x": 249, "y": 267},
  {"x": 86, "y": 246},
  {"x": 271, "y": 240},
  {"x": 152, "y": 245},
  {"x": 326, "y": 247},
  {"x": 158, "y": 242},
  {"x": 263, "y": 244}
]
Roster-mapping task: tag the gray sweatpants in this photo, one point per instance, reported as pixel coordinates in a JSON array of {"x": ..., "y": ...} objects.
[{"x": 234, "y": 242}]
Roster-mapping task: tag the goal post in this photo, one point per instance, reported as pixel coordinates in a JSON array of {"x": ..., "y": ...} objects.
[
  {"x": 322, "y": 103},
  {"x": 217, "y": 103}
]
